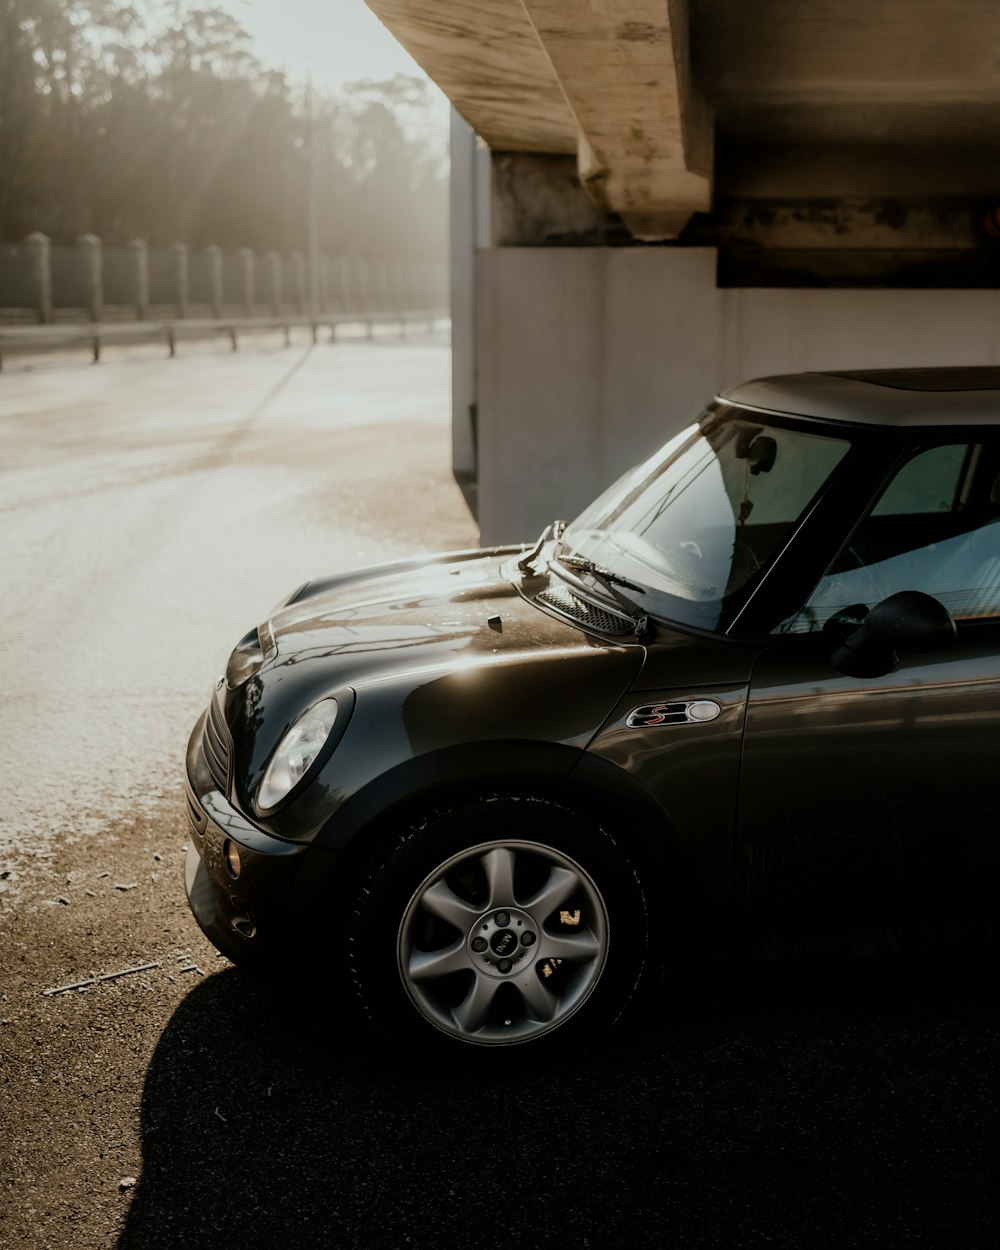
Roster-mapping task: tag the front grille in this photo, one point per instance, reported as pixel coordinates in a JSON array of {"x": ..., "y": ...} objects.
[
  {"x": 586, "y": 613},
  {"x": 196, "y": 815},
  {"x": 216, "y": 744}
]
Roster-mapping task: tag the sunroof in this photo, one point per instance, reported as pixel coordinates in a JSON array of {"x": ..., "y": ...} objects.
[{"x": 965, "y": 378}]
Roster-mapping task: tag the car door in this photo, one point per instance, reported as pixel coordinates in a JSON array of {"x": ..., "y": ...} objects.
[{"x": 869, "y": 807}]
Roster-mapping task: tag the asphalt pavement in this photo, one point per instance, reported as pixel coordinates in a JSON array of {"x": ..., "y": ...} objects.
[{"x": 151, "y": 511}]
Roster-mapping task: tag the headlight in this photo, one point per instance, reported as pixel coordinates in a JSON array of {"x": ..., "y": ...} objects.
[{"x": 297, "y": 752}]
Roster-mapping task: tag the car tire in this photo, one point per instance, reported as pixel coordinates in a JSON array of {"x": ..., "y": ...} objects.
[{"x": 507, "y": 921}]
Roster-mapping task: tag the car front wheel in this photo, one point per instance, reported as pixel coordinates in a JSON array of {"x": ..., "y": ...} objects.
[{"x": 510, "y": 921}]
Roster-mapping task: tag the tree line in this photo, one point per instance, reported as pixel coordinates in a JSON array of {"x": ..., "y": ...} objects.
[{"x": 160, "y": 124}]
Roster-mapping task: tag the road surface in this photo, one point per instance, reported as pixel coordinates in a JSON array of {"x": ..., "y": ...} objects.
[{"x": 152, "y": 511}]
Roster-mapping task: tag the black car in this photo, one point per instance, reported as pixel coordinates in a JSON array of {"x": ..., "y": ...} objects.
[{"x": 749, "y": 698}]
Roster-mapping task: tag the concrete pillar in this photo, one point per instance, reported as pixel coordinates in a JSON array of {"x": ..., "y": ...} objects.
[
  {"x": 213, "y": 255},
  {"x": 299, "y": 280},
  {"x": 246, "y": 262},
  {"x": 590, "y": 358},
  {"x": 92, "y": 260},
  {"x": 179, "y": 251},
  {"x": 40, "y": 252},
  {"x": 273, "y": 261},
  {"x": 140, "y": 272}
]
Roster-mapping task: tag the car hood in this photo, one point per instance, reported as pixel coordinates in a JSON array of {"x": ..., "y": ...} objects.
[
  {"x": 434, "y": 659},
  {"x": 431, "y": 613},
  {"x": 445, "y": 647}
]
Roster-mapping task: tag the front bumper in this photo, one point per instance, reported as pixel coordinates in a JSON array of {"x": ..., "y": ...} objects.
[{"x": 254, "y": 915}]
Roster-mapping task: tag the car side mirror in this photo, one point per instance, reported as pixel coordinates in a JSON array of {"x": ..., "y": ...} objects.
[{"x": 907, "y": 621}]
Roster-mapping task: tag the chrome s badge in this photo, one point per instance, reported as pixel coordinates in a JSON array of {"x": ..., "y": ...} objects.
[{"x": 692, "y": 711}]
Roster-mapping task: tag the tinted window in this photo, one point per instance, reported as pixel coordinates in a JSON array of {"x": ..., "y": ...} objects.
[
  {"x": 936, "y": 528},
  {"x": 927, "y": 483}
]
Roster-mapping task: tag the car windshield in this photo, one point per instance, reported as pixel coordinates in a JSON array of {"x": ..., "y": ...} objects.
[{"x": 697, "y": 524}]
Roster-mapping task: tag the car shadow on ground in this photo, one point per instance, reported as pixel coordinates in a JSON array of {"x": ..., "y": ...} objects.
[{"x": 786, "y": 1110}]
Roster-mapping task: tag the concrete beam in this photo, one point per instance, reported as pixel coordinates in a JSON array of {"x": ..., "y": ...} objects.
[
  {"x": 538, "y": 201},
  {"x": 645, "y": 144},
  {"x": 851, "y": 72},
  {"x": 485, "y": 56}
]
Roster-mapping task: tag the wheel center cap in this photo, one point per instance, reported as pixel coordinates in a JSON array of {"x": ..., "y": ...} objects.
[{"x": 503, "y": 943}]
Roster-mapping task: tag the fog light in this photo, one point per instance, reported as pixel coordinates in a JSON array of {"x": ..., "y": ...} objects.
[{"x": 231, "y": 853}]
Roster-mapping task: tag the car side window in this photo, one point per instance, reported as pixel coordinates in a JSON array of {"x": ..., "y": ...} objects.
[
  {"x": 935, "y": 528},
  {"x": 928, "y": 483}
]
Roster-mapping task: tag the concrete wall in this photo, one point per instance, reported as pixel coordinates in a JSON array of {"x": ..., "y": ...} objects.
[{"x": 589, "y": 358}]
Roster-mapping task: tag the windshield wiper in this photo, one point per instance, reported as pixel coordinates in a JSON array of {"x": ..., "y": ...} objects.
[
  {"x": 610, "y": 578},
  {"x": 552, "y": 531},
  {"x": 643, "y": 627}
]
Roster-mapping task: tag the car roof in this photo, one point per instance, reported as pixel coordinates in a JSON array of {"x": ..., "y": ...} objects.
[{"x": 880, "y": 397}]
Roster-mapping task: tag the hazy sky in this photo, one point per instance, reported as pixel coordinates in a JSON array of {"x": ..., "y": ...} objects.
[{"x": 337, "y": 40}]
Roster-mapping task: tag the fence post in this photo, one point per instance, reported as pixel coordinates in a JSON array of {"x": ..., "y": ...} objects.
[
  {"x": 299, "y": 278},
  {"x": 379, "y": 286},
  {"x": 430, "y": 276},
  {"x": 407, "y": 285},
  {"x": 140, "y": 271},
  {"x": 213, "y": 254},
  {"x": 398, "y": 271},
  {"x": 323, "y": 282},
  {"x": 180, "y": 254},
  {"x": 420, "y": 288},
  {"x": 91, "y": 257},
  {"x": 388, "y": 268},
  {"x": 343, "y": 298},
  {"x": 361, "y": 273},
  {"x": 41, "y": 264},
  {"x": 246, "y": 259},
  {"x": 274, "y": 281}
]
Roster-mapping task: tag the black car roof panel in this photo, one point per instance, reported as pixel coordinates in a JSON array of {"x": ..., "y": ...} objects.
[
  {"x": 979, "y": 378},
  {"x": 886, "y": 397}
]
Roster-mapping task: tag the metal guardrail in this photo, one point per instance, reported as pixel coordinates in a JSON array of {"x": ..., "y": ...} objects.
[{"x": 98, "y": 334}]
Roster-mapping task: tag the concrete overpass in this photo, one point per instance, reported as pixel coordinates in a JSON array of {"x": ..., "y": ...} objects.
[{"x": 670, "y": 195}]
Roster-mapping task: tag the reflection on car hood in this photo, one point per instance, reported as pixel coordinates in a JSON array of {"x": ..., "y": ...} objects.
[{"x": 440, "y": 611}]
